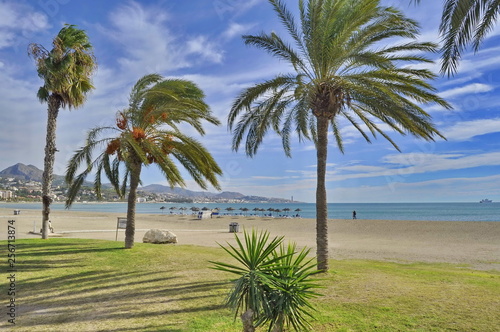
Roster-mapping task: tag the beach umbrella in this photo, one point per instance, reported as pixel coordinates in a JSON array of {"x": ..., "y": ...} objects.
[
  {"x": 286, "y": 210},
  {"x": 162, "y": 208},
  {"x": 205, "y": 208},
  {"x": 245, "y": 210},
  {"x": 229, "y": 209},
  {"x": 195, "y": 209},
  {"x": 183, "y": 209}
]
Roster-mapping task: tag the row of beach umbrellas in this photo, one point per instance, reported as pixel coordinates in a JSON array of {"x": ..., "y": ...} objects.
[{"x": 230, "y": 209}]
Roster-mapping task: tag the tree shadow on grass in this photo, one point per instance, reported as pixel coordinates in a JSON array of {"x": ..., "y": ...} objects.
[
  {"x": 68, "y": 291},
  {"x": 37, "y": 250},
  {"x": 83, "y": 303}
]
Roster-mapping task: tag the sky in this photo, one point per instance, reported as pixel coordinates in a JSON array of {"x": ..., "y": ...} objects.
[{"x": 200, "y": 40}]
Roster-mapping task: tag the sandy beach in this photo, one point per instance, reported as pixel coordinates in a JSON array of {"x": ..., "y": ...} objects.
[{"x": 476, "y": 244}]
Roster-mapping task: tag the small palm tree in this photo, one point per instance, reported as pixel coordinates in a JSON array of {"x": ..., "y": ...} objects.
[
  {"x": 147, "y": 133},
  {"x": 66, "y": 71},
  {"x": 342, "y": 70},
  {"x": 464, "y": 22},
  {"x": 274, "y": 283}
]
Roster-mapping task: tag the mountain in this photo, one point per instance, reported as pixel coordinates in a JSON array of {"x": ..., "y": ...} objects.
[
  {"x": 23, "y": 172},
  {"x": 28, "y": 173}
]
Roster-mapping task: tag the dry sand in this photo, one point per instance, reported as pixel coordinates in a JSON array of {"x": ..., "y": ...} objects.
[{"x": 476, "y": 244}]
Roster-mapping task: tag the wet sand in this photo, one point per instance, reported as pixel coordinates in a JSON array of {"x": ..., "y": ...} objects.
[{"x": 476, "y": 244}]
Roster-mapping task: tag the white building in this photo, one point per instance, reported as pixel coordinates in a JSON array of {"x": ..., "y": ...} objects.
[{"x": 6, "y": 194}]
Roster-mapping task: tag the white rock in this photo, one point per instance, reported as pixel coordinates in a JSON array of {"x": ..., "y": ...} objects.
[{"x": 159, "y": 236}]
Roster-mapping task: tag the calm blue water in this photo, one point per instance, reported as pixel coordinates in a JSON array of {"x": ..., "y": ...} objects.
[{"x": 392, "y": 211}]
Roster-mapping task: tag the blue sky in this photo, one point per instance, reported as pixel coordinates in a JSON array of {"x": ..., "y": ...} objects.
[{"x": 201, "y": 40}]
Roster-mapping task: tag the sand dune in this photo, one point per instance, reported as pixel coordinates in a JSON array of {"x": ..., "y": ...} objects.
[{"x": 472, "y": 243}]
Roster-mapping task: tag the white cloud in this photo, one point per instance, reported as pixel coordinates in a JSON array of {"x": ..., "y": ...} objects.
[
  {"x": 145, "y": 40},
  {"x": 362, "y": 168},
  {"x": 405, "y": 164},
  {"x": 201, "y": 46},
  {"x": 233, "y": 8},
  {"x": 474, "y": 62},
  {"x": 462, "y": 80},
  {"x": 148, "y": 45},
  {"x": 236, "y": 30},
  {"x": 466, "y": 130},
  {"x": 18, "y": 22},
  {"x": 468, "y": 89},
  {"x": 425, "y": 162}
]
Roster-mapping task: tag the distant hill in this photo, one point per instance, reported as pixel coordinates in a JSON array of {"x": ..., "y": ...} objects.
[
  {"x": 160, "y": 189},
  {"x": 28, "y": 173},
  {"x": 226, "y": 195},
  {"x": 23, "y": 172},
  {"x": 32, "y": 173}
]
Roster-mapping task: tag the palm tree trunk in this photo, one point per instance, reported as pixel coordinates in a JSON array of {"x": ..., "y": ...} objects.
[
  {"x": 321, "y": 201},
  {"x": 247, "y": 320},
  {"x": 135, "y": 175},
  {"x": 48, "y": 166}
]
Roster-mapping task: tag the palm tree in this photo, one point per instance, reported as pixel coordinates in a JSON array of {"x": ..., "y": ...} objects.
[
  {"x": 147, "y": 133},
  {"x": 66, "y": 72},
  {"x": 464, "y": 22},
  {"x": 342, "y": 71}
]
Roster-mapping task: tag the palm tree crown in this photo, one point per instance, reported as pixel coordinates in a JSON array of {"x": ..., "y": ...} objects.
[
  {"x": 147, "y": 133},
  {"x": 66, "y": 69},
  {"x": 342, "y": 70}
]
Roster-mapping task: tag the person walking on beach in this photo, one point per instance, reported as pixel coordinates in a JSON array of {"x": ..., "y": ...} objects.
[{"x": 353, "y": 214}]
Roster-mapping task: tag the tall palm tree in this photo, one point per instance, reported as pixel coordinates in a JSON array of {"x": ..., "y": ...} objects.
[
  {"x": 66, "y": 71},
  {"x": 342, "y": 71},
  {"x": 464, "y": 22},
  {"x": 147, "y": 133}
]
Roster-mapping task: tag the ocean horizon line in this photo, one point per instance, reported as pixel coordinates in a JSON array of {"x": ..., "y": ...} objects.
[{"x": 433, "y": 211}]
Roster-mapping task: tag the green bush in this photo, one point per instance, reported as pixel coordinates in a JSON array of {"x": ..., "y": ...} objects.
[{"x": 274, "y": 284}]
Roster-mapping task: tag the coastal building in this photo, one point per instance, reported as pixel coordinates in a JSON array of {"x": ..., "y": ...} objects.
[{"x": 6, "y": 194}]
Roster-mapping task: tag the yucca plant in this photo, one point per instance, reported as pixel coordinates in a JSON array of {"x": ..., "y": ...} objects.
[
  {"x": 274, "y": 283},
  {"x": 293, "y": 287}
]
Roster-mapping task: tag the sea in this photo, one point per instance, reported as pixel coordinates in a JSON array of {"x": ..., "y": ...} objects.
[{"x": 390, "y": 211}]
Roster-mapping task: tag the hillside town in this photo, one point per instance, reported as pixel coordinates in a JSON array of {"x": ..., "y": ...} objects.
[{"x": 23, "y": 183}]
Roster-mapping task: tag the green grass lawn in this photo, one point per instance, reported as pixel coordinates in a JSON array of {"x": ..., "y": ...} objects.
[{"x": 91, "y": 285}]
